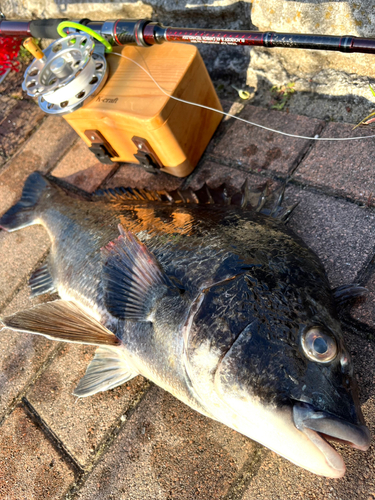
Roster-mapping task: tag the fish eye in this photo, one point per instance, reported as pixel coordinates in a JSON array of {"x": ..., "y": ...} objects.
[{"x": 319, "y": 346}]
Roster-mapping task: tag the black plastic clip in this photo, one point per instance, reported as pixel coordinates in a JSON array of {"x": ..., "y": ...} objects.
[{"x": 146, "y": 156}]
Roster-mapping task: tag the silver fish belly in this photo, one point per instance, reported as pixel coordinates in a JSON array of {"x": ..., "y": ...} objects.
[{"x": 222, "y": 306}]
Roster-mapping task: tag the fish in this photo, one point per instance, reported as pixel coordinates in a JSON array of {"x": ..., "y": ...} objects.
[{"x": 211, "y": 297}]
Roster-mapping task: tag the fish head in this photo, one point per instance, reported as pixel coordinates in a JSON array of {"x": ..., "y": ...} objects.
[{"x": 282, "y": 370}]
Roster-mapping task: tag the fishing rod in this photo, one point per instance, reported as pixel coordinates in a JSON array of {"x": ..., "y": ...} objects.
[{"x": 144, "y": 33}]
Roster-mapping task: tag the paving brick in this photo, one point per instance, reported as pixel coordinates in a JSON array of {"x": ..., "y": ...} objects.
[
  {"x": 30, "y": 468},
  {"x": 21, "y": 251},
  {"x": 16, "y": 127},
  {"x": 166, "y": 451},
  {"x": 41, "y": 152},
  {"x": 81, "y": 168},
  {"x": 342, "y": 167},
  {"x": 259, "y": 150},
  {"x": 80, "y": 423},
  {"x": 340, "y": 232},
  {"x": 21, "y": 354}
]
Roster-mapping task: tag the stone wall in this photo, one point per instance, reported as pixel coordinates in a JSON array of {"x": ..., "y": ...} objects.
[
  {"x": 327, "y": 73},
  {"x": 330, "y": 73}
]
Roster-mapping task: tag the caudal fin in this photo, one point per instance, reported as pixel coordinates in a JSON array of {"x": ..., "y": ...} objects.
[{"x": 23, "y": 213}]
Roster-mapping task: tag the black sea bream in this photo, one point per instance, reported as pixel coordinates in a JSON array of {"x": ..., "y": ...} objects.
[{"x": 222, "y": 306}]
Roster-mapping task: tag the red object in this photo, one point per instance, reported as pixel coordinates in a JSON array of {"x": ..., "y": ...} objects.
[{"x": 9, "y": 49}]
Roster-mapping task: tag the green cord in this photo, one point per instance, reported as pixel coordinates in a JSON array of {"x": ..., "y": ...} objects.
[{"x": 81, "y": 27}]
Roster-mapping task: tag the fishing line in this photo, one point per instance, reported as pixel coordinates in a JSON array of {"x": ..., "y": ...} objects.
[{"x": 237, "y": 117}]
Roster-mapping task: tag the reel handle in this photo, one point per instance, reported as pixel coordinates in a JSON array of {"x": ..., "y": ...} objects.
[{"x": 33, "y": 48}]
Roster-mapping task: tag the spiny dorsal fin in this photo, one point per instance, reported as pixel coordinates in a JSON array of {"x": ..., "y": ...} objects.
[
  {"x": 61, "y": 320},
  {"x": 132, "y": 278},
  {"x": 262, "y": 201},
  {"x": 121, "y": 194}
]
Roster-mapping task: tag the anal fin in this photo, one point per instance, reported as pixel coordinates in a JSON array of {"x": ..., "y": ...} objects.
[
  {"x": 41, "y": 281},
  {"x": 61, "y": 320},
  {"x": 107, "y": 370}
]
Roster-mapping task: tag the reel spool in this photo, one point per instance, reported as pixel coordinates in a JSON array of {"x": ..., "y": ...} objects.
[{"x": 71, "y": 73}]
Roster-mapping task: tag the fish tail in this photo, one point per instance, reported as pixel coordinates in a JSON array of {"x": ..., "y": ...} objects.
[{"x": 23, "y": 213}]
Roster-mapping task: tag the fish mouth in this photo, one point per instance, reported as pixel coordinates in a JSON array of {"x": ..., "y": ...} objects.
[{"x": 321, "y": 427}]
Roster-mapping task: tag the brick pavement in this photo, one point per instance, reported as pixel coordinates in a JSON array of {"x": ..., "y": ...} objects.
[{"x": 136, "y": 441}]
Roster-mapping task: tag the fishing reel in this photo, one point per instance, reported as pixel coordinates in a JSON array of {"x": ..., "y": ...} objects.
[{"x": 70, "y": 73}]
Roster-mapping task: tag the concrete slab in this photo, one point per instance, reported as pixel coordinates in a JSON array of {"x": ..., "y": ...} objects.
[
  {"x": 80, "y": 423},
  {"x": 167, "y": 451},
  {"x": 343, "y": 168},
  {"x": 30, "y": 467},
  {"x": 261, "y": 151}
]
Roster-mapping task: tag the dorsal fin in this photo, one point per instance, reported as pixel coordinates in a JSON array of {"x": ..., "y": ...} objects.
[{"x": 260, "y": 200}]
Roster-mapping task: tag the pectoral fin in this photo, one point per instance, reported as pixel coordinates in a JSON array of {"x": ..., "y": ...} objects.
[
  {"x": 345, "y": 293},
  {"x": 61, "y": 320},
  {"x": 107, "y": 370},
  {"x": 41, "y": 281},
  {"x": 132, "y": 278}
]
